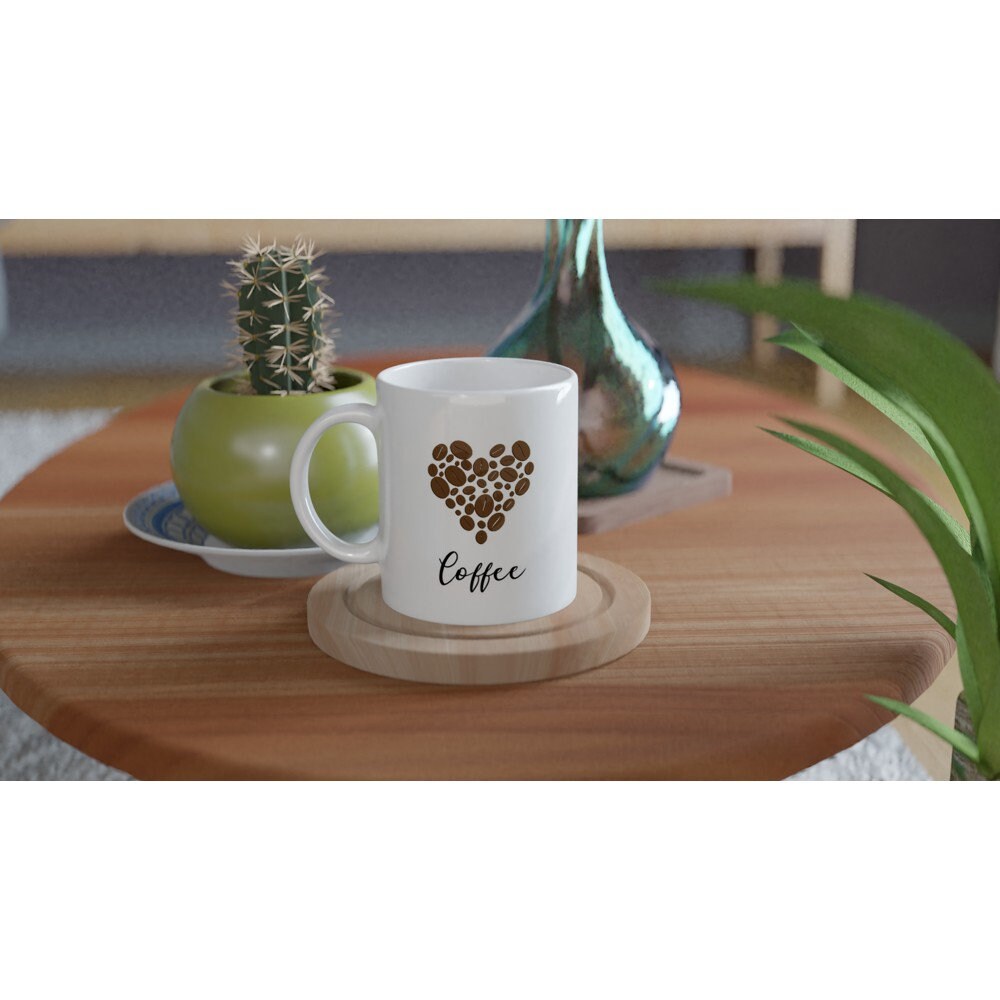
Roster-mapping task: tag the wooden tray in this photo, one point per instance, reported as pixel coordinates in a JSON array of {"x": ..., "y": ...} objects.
[
  {"x": 676, "y": 484},
  {"x": 349, "y": 621}
]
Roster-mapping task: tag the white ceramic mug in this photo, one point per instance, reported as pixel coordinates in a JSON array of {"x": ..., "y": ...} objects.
[{"x": 477, "y": 488}]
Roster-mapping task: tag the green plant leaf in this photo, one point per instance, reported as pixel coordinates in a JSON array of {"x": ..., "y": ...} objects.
[
  {"x": 934, "y": 378},
  {"x": 918, "y": 602},
  {"x": 958, "y": 740},
  {"x": 840, "y": 461},
  {"x": 975, "y": 547},
  {"x": 971, "y": 590},
  {"x": 978, "y": 653},
  {"x": 799, "y": 340},
  {"x": 987, "y": 720}
]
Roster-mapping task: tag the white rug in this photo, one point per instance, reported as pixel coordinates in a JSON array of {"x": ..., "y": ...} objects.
[{"x": 28, "y": 752}]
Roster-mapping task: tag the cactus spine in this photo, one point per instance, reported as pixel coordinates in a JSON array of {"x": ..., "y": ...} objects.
[{"x": 280, "y": 311}]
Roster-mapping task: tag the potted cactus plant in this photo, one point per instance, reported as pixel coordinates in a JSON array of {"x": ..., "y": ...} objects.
[{"x": 233, "y": 442}]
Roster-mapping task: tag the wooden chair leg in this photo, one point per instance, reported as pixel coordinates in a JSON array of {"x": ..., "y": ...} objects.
[
  {"x": 836, "y": 277},
  {"x": 768, "y": 263}
]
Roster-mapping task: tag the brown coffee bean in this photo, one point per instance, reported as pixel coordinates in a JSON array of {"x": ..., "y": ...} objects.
[
  {"x": 481, "y": 524},
  {"x": 481, "y": 537},
  {"x": 521, "y": 450},
  {"x": 507, "y": 460},
  {"x": 449, "y": 502},
  {"x": 453, "y": 492},
  {"x": 529, "y": 468},
  {"x": 497, "y": 495},
  {"x": 460, "y": 449},
  {"x": 470, "y": 489},
  {"x": 493, "y": 465},
  {"x": 497, "y": 450},
  {"x": 508, "y": 475},
  {"x": 496, "y": 522},
  {"x": 469, "y": 508},
  {"x": 493, "y": 475},
  {"x": 507, "y": 504},
  {"x": 440, "y": 450},
  {"x": 439, "y": 487},
  {"x": 467, "y": 523},
  {"x": 480, "y": 466},
  {"x": 481, "y": 484},
  {"x": 484, "y": 505},
  {"x": 522, "y": 487},
  {"x": 454, "y": 475},
  {"x": 466, "y": 464}
]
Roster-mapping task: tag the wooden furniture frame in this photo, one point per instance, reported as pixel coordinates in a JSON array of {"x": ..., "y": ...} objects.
[{"x": 768, "y": 238}]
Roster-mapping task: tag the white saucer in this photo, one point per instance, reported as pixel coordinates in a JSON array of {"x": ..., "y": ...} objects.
[{"x": 159, "y": 516}]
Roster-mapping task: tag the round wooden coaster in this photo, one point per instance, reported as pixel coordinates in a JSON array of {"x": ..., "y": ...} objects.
[{"x": 349, "y": 621}]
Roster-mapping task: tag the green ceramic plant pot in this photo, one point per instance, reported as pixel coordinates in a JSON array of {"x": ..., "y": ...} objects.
[{"x": 231, "y": 454}]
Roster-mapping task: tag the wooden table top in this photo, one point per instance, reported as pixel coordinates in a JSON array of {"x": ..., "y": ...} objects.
[{"x": 765, "y": 633}]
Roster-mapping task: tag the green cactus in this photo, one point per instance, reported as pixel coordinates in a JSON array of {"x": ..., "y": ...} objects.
[{"x": 280, "y": 310}]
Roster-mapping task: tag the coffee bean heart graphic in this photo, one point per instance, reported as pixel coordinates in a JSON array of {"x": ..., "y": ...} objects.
[{"x": 488, "y": 486}]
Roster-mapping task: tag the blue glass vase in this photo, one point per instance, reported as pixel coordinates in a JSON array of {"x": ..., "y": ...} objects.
[{"x": 629, "y": 398}]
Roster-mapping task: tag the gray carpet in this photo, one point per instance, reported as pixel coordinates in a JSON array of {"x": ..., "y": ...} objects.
[{"x": 27, "y": 751}]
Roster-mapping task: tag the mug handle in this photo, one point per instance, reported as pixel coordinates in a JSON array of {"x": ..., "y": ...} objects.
[{"x": 357, "y": 413}]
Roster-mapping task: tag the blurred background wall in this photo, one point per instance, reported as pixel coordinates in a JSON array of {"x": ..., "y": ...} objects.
[
  {"x": 112, "y": 299},
  {"x": 947, "y": 269}
]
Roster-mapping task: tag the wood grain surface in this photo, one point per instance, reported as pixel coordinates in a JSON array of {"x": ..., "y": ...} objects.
[
  {"x": 349, "y": 621},
  {"x": 765, "y": 633}
]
